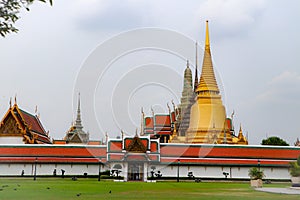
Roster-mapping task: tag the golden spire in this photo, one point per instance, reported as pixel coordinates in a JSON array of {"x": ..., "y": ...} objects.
[
  {"x": 207, "y": 45},
  {"x": 196, "y": 69},
  {"x": 240, "y": 132},
  {"x": 207, "y": 79}
]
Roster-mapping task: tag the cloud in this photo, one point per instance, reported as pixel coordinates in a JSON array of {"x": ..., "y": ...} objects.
[
  {"x": 109, "y": 15},
  {"x": 231, "y": 17},
  {"x": 282, "y": 89},
  {"x": 286, "y": 78}
]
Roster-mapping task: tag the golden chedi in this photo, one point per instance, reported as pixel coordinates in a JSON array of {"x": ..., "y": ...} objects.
[{"x": 208, "y": 115}]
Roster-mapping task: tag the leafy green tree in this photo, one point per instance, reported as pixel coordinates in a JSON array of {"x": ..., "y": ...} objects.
[
  {"x": 274, "y": 141},
  {"x": 295, "y": 168},
  {"x": 9, "y": 13}
]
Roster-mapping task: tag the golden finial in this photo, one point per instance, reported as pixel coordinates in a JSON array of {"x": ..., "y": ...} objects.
[
  {"x": 240, "y": 132},
  {"x": 207, "y": 43}
]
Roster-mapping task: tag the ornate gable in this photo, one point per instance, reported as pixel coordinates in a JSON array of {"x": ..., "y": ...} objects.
[
  {"x": 136, "y": 146},
  {"x": 10, "y": 126},
  {"x": 17, "y": 122},
  {"x": 75, "y": 139}
]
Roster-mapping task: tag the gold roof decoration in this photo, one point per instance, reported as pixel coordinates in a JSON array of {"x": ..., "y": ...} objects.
[{"x": 207, "y": 79}]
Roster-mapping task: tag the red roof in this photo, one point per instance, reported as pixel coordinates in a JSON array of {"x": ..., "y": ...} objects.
[
  {"x": 169, "y": 153},
  {"x": 229, "y": 124},
  {"x": 154, "y": 147},
  {"x": 115, "y": 145},
  {"x": 225, "y": 151},
  {"x": 163, "y": 120},
  {"x": 59, "y": 142},
  {"x": 94, "y": 142},
  {"x": 50, "y": 160},
  {"x": 52, "y": 151},
  {"x": 31, "y": 126},
  {"x": 149, "y": 122},
  {"x": 33, "y": 122}
]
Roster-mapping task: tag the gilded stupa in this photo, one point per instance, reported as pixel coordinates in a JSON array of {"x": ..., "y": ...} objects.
[{"x": 208, "y": 115}]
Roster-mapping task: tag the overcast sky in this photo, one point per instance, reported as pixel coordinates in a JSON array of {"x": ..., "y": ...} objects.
[{"x": 255, "y": 47}]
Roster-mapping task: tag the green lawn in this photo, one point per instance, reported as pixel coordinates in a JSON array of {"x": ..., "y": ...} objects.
[{"x": 50, "y": 188}]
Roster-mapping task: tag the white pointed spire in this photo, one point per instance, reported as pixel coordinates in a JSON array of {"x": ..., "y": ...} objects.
[{"x": 78, "y": 124}]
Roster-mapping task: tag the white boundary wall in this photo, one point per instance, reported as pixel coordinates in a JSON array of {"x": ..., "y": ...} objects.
[{"x": 166, "y": 170}]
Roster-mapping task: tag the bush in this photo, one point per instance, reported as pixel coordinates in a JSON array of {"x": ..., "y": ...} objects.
[
  {"x": 295, "y": 168},
  {"x": 255, "y": 173}
]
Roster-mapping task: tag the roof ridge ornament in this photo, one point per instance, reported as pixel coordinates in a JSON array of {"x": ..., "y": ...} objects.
[{"x": 15, "y": 99}]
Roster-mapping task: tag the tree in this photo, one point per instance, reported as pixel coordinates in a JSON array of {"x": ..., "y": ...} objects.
[
  {"x": 274, "y": 141},
  {"x": 295, "y": 168},
  {"x": 9, "y": 13}
]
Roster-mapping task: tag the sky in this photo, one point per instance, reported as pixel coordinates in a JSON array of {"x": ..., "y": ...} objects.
[{"x": 142, "y": 48}]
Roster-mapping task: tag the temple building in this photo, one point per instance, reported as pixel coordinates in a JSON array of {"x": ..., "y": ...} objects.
[
  {"x": 160, "y": 126},
  {"x": 192, "y": 138},
  {"x": 208, "y": 115},
  {"x": 75, "y": 134},
  {"x": 201, "y": 116},
  {"x": 20, "y": 127}
]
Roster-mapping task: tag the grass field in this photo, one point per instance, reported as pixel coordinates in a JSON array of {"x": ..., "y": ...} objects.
[{"x": 50, "y": 188}]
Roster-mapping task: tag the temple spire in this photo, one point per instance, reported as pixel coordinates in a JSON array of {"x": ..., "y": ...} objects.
[
  {"x": 196, "y": 69},
  {"x": 207, "y": 79},
  {"x": 240, "y": 132},
  {"x": 207, "y": 43},
  {"x": 78, "y": 118}
]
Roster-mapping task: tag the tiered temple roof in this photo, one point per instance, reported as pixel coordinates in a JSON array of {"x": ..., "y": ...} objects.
[
  {"x": 19, "y": 123},
  {"x": 76, "y": 134},
  {"x": 160, "y": 126}
]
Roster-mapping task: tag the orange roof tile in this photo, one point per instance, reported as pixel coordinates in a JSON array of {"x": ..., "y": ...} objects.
[{"x": 162, "y": 120}]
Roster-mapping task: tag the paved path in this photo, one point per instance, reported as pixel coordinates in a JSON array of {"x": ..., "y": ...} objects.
[{"x": 279, "y": 190}]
